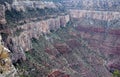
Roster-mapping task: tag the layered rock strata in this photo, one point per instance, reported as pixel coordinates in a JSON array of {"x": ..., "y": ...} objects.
[
  {"x": 22, "y": 42},
  {"x": 104, "y": 15},
  {"x": 98, "y": 5}
]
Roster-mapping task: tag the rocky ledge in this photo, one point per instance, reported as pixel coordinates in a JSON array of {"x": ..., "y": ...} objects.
[{"x": 6, "y": 66}]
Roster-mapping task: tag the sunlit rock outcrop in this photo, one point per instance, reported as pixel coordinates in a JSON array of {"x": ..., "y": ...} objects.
[{"x": 6, "y": 67}]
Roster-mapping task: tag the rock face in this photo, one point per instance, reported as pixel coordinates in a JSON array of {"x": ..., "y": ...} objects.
[
  {"x": 101, "y": 5},
  {"x": 103, "y": 37},
  {"x": 104, "y": 15},
  {"x": 6, "y": 67},
  {"x": 31, "y": 30},
  {"x": 70, "y": 52},
  {"x": 23, "y": 5},
  {"x": 84, "y": 48},
  {"x": 32, "y": 25}
]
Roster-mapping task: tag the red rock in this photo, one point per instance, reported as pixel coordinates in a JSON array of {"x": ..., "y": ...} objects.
[
  {"x": 73, "y": 43},
  {"x": 98, "y": 30},
  {"x": 115, "y": 50},
  {"x": 87, "y": 35},
  {"x": 58, "y": 74},
  {"x": 115, "y": 64},
  {"x": 62, "y": 48},
  {"x": 114, "y": 31},
  {"x": 51, "y": 51}
]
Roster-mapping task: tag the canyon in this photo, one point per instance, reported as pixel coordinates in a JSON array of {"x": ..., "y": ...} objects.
[
  {"x": 105, "y": 15},
  {"x": 56, "y": 39},
  {"x": 94, "y": 5},
  {"x": 34, "y": 30}
]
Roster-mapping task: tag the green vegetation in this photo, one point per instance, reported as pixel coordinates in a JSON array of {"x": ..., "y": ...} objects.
[
  {"x": 4, "y": 36},
  {"x": 15, "y": 17},
  {"x": 39, "y": 62},
  {"x": 46, "y": 12},
  {"x": 35, "y": 66},
  {"x": 8, "y": 1},
  {"x": 116, "y": 73},
  {"x": 18, "y": 31}
]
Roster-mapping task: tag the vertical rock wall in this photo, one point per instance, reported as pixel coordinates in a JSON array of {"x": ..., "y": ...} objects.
[
  {"x": 100, "y": 15},
  {"x": 22, "y": 42}
]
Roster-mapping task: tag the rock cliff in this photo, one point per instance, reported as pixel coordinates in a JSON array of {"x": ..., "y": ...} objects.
[
  {"x": 23, "y": 20},
  {"x": 22, "y": 42},
  {"x": 23, "y": 5},
  {"x": 98, "y": 15},
  {"x": 98, "y": 5},
  {"x": 101, "y": 30},
  {"x": 6, "y": 66},
  {"x": 47, "y": 40}
]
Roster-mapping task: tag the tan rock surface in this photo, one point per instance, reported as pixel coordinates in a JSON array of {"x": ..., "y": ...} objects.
[
  {"x": 6, "y": 67},
  {"x": 104, "y": 15},
  {"x": 31, "y": 30}
]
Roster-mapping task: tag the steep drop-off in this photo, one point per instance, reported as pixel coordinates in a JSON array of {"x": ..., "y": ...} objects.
[
  {"x": 35, "y": 18},
  {"x": 21, "y": 40},
  {"x": 54, "y": 42},
  {"x": 98, "y": 15}
]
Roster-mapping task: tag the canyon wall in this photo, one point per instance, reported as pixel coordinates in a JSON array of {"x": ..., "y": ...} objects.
[
  {"x": 22, "y": 42},
  {"x": 21, "y": 21},
  {"x": 23, "y": 5},
  {"x": 101, "y": 5},
  {"x": 102, "y": 31},
  {"x": 104, "y": 15},
  {"x": 28, "y": 20}
]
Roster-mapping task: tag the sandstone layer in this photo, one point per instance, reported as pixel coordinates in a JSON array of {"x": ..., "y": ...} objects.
[{"x": 99, "y": 15}]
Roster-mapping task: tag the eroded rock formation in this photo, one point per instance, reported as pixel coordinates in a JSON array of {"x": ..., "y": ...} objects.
[
  {"x": 6, "y": 66},
  {"x": 23, "y": 5},
  {"x": 101, "y": 5},
  {"x": 104, "y": 15},
  {"x": 22, "y": 42},
  {"x": 88, "y": 46}
]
